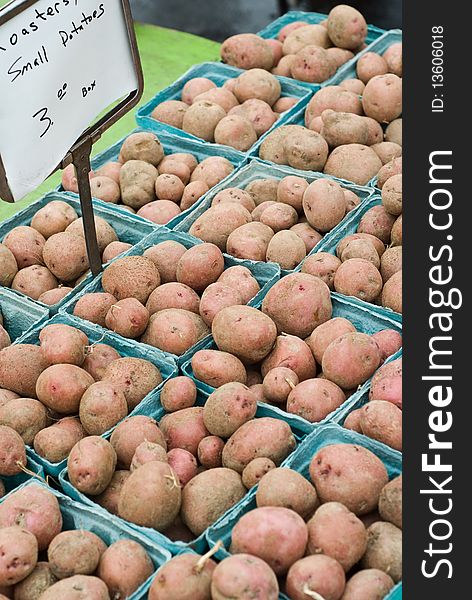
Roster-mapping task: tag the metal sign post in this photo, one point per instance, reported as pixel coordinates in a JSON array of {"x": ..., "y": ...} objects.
[{"x": 63, "y": 26}]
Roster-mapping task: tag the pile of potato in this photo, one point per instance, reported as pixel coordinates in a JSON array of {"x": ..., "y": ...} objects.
[
  {"x": 311, "y": 53},
  {"x": 46, "y": 259},
  {"x": 169, "y": 297},
  {"x": 63, "y": 390},
  {"x": 381, "y": 417},
  {"x": 236, "y": 114},
  {"x": 292, "y": 353},
  {"x": 351, "y": 129},
  {"x": 276, "y": 220},
  {"x": 145, "y": 181},
  {"x": 41, "y": 561},
  {"x": 338, "y": 537},
  {"x": 180, "y": 475},
  {"x": 368, "y": 263}
]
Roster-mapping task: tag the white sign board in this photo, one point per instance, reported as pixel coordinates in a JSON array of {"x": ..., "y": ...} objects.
[{"x": 61, "y": 64}]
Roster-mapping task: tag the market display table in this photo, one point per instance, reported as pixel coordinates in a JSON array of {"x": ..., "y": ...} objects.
[{"x": 165, "y": 55}]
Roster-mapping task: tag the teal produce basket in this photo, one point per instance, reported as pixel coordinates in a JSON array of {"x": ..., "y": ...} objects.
[
  {"x": 14, "y": 481},
  {"x": 20, "y": 314}
]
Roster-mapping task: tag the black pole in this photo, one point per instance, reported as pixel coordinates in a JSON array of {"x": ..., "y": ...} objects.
[{"x": 81, "y": 160}]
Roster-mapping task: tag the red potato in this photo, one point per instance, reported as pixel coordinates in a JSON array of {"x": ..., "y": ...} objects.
[
  {"x": 255, "y": 531},
  {"x": 212, "y": 170},
  {"x": 297, "y": 304},
  {"x": 393, "y": 57},
  {"x": 18, "y": 554},
  {"x": 60, "y": 387},
  {"x": 61, "y": 344},
  {"x": 178, "y": 393},
  {"x": 240, "y": 575},
  {"x": 76, "y": 588},
  {"x": 242, "y": 279},
  {"x": 170, "y": 112},
  {"x": 339, "y": 56},
  {"x": 35, "y": 509},
  {"x": 361, "y": 249},
  {"x": 111, "y": 170},
  {"x": 287, "y": 29},
  {"x": 54, "y": 296},
  {"x": 26, "y": 244},
  {"x": 127, "y": 317},
  {"x": 291, "y": 352},
  {"x": 234, "y": 194},
  {"x": 98, "y": 357},
  {"x": 192, "y": 193},
  {"x": 209, "y": 452},
  {"x": 176, "y": 168},
  {"x": 166, "y": 256},
  {"x": 313, "y": 64},
  {"x": 217, "y": 223},
  {"x": 353, "y": 85},
  {"x": 160, "y": 211},
  {"x": 94, "y": 307},
  {"x": 26, "y": 416},
  {"x": 324, "y": 204},
  {"x": 53, "y": 218},
  {"x": 184, "y": 465},
  {"x": 286, "y": 488},
  {"x": 169, "y": 187},
  {"x": 377, "y": 222},
  {"x": 136, "y": 377},
  {"x": 382, "y": 98},
  {"x": 216, "y": 368},
  {"x": 349, "y": 474},
  {"x": 113, "y": 250},
  {"x": 132, "y": 432},
  {"x": 278, "y": 384},
  {"x": 390, "y": 502},
  {"x": 91, "y": 465},
  {"x": 8, "y": 266},
  {"x": 351, "y": 359},
  {"x": 184, "y": 577},
  {"x": 34, "y": 281},
  {"x": 347, "y": 28},
  {"x": 392, "y": 292},
  {"x": 184, "y": 429},
  {"x": 227, "y": 408},
  {"x": 250, "y": 241},
  {"x": 75, "y": 552},
  {"x": 382, "y": 421},
  {"x": 12, "y": 452},
  {"x": 247, "y": 51},
  {"x": 37, "y": 582},
  {"x": 258, "y": 112},
  {"x": 322, "y": 265},
  {"x": 389, "y": 341},
  {"x": 316, "y": 576},
  {"x": 310, "y": 236},
  {"x": 195, "y": 87},
  {"x": 256, "y": 470},
  {"x": 384, "y": 549},
  {"x": 143, "y": 146},
  {"x": 387, "y": 383},
  {"x": 326, "y": 333},
  {"x": 119, "y": 278},
  {"x": 286, "y": 248},
  {"x": 147, "y": 452},
  {"x": 5, "y": 339},
  {"x": 359, "y": 278},
  {"x": 20, "y": 367},
  {"x": 284, "y": 104},
  {"x": 335, "y": 98},
  {"x": 54, "y": 443},
  {"x": 174, "y": 330},
  {"x": 315, "y": 399},
  {"x": 221, "y": 96},
  {"x": 277, "y": 50},
  {"x": 102, "y": 406},
  {"x": 124, "y": 567},
  {"x": 368, "y": 584},
  {"x": 200, "y": 266},
  {"x": 236, "y": 131}
]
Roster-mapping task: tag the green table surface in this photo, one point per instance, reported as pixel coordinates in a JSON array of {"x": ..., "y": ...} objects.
[{"x": 165, "y": 54}]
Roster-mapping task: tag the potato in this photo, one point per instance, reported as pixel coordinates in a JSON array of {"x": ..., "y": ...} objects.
[
  {"x": 124, "y": 567},
  {"x": 277, "y": 49},
  {"x": 389, "y": 341},
  {"x": 102, "y": 406},
  {"x": 283, "y": 487},
  {"x": 278, "y": 383},
  {"x": 106, "y": 189},
  {"x": 392, "y": 292},
  {"x": 351, "y": 359},
  {"x": 212, "y": 170},
  {"x": 221, "y": 96},
  {"x": 178, "y": 393},
  {"x": 60, "y": 387},
  {"x": 98, "y": 358},
  {"x": 147, "y": 452},
  {"x": 257, "y": 83},
  {"x": 217, "y": 223},
  {"x": 378, "y": 245},
  {"x": 346, "y": 161},
  {"x": 26, "y": 244},
  {"x": 160, "y": 211},
  {"x": 54, "y": 296},
  {"x": 20, "y": 367},
  {"x": 216, "y": 297},
  {"x": 384, "y": 550},
  {"x": 290, "y": 191},
  {"x": 241, "y": 279},
  {"x": 34, "y": 281},
  {"x": 137, "y": 180},
  {"x": 142, "y": 146},
  {"x": 258, "y": 113},
  {"x": 200, "y": 266},
  {"x": 120, "y": 278},
  {"x": 349, "y": 474},
  {"x": 396, "y": 233},
  {"x": 305, "y": 35},
  {"x": 234, "y": 194},
  {"x": 91, "y": 464},
  {"x": 393, "y": 57},
  {"x": 209, "y": 452},
  {"x": 8, "y": 266},
  {"x": 75, "y": 552},
  {"x": 382, "y": 98},
  {"x": 35, "y": 509},
  {"x": 297, "y": 304},
  {"x": 245, "y": 332},
  {"x": 378, "y": 222},
  {"x": 353, "y": 85},
  {"x": 323, "y": 266},
  {"x": 256, "y": 470},
  {"x": 192, "y": 193},
  {"x": 37, "y": 582},
  {"x": 132, "y": 432},
  {"x": 263, "y": 190},
  {"x": 184, "y": 429},
  {"x": 326, "y": 333},
  {"x": 53, "y": 218},
  {"x": 368, "y": 584},
  {"x": 151, "y": 496},
  {"x": 263, "y": 437},
  {"x": 195, "y": 87},
  {"x": 170, "y": 112},
  {"x": 287, "y": 249},
  {"x": 174, "y": 330},
  {"x": 324, "y": 204},
  {"x": 391, "y": 262},
  {"x": 18, "y": 554},
  {"x": 287, "y": 29},
  {"x": 250, "y": 241},
  {"x": 291, "y": 352},
  {"x": 184, "y": 577},
  {"x": 254, "y": 531},
  {"x": 305, "y": 149},
  {"x": 240, "y": 575},
  {"x": 387, "y": 151},
  {"x": 341, "y": 128},
  {"x": 358, "y": 277},
  {"x": 217, "y": 368},
  {"x": 227, "y": 408},
  {"x": 165, "y": 256},
  {"x": 5, "y": 339},
  {"x": 110, "y": 170},
  {"x": 169, "y": 187},
  {"x": 26, "y": 416},
  {"x": 127, "y": 317},
  {"x": 333, "y": 523},
  {"x": 308, "y": 235},
  {"x": 388, "y": 170},
  {"x": 176, "y": 168},
  {"x": 387, "y": 383},
  {"x": 12, "y": 452},
  {"x": 315, "y": 399},
  {"x": 392, "y": 195},
  {"x": 65, "y": 255},
  {"x": 105, "y": 232},
  {"x": 334, "y": 97},
  {"x": 382, "y": 421},
  {"x": 279, "y": 216},
  {"x": 370, "y": 65},
  {"x": 339, "y": 56},
  {"x": 77, "y": 587},
  {"x": 393, "y": 132},
  {"x": 316, "y": 576},
  {"x": 257, "y": 212},
  {"x": 6, "y": 396},
  {"x": 184, "y": 465},
  {"x": 236, "y": 131},
  {"x": 54, "y": 443},
  {"x": 247, "y": 51},
  {"x": 201, "y": 119},
  {"x": 361, "y": 248},
  {"x": 63, "y": 344},
  {"x": 390, "y": 502},
  {"x": 313, "y": 64}
]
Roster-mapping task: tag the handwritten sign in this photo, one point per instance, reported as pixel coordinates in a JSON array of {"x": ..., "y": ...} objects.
[{"x": 61, "y": 64}]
